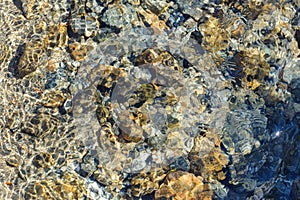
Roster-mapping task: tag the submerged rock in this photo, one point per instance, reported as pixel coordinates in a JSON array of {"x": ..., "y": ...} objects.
[{"x": 183, "y": 185}]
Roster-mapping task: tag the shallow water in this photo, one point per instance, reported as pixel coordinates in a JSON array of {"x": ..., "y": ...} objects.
[{"x": 149, "y": 100}]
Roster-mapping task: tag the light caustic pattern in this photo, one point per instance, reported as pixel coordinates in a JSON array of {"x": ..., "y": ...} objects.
[{"x": 157, "y": 107}]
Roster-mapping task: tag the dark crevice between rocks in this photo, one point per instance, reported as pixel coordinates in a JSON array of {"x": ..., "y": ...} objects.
[
  {"x": 13, "y": 65},
  {"x": 71, "y": 33},
  {"x": 297, "y": 37},
  {"x": 106, "y": 30},
  {"x": 19, "y": 5}
]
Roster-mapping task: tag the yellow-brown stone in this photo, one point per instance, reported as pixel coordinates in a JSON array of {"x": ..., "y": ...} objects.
[{"x": 183, "y": 185}]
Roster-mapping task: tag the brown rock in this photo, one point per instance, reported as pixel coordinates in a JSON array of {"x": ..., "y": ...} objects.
[
  {"x": 184, "y": 185},
  {"x": 146, "y": 183},
  {"x": 78, "y": 51},
  {"x": 53, "y": 98},
  {"x": 57, "y": 36},
  {"x": 207, "y": 158}
]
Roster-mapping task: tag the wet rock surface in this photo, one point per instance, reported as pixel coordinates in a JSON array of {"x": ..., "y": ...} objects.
[{"x": 149, "y": 99}]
